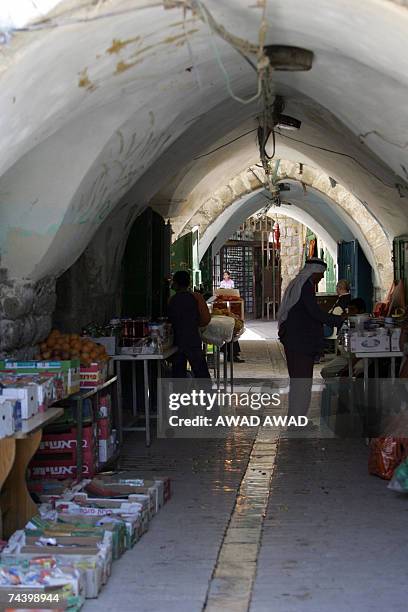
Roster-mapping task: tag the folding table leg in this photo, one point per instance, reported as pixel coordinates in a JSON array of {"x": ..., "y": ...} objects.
[{"x": 147, "y": 400}]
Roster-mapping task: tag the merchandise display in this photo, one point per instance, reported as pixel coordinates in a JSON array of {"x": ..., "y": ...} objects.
[
  {"x": 361, "y": 334},
  {"x": 385, "y": 455},
  {"x": 72, "y": 542},
  {"x": 57, "y": 455}
]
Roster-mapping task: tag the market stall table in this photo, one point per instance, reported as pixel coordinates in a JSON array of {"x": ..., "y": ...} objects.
[
  {"x": 159, "y": 358},
  {"x": 16, "y": 505},
  {"x": 374, "y": 355}
]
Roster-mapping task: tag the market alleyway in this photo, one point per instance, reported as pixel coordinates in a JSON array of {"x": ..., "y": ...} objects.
[{"x": 262, "y": 524}]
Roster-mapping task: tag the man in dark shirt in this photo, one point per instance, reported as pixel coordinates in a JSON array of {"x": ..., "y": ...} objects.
[
  {"x": 184, "y": 315},
  {"x": 301, "y": 332}
]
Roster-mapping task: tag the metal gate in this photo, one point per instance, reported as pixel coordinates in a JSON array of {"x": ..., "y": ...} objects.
[{"x": 239, "y": 261}]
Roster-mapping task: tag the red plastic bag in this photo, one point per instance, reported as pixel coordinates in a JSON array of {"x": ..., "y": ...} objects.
[{"x": 386, "y": 454}]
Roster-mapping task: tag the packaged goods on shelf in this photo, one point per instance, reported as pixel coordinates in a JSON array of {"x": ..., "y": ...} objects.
[
  {"x": 44, "y": 384},
  {"x": 13, "y": 388},
  {"x": 65, "y": 371},
  {"x": 93, "y": 375},
  {"x": 56, "y": 456},
  {"x": 10, "y": 416}
]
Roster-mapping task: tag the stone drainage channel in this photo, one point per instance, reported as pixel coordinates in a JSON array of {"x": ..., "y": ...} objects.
[{"x": 230, "y": 587}]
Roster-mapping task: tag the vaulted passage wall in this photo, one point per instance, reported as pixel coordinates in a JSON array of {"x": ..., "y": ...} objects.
[{"x": 109, "y": 107}]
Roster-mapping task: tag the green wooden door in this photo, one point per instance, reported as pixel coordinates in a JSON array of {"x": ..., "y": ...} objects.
[
  {"x": 184, "y": 256},
  {"x": 145, "y": 267},
  {"x": 400, "y": 259}
]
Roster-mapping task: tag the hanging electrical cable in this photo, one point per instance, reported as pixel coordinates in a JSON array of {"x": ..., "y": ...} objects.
[{"x": 241, "y": 46}]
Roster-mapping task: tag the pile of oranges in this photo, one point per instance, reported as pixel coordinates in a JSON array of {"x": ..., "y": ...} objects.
[{"x": 60, "y": 346}]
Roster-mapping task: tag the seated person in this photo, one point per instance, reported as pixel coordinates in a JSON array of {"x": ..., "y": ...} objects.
[
  {"x": 344, "y": 297},
  {"x": 339, "y": 307},
  {"x": 339, "y": 365}
]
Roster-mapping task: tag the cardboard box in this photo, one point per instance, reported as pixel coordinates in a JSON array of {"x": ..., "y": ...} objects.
[
  {"x": 395, "y": 337},
  {"x": 92, "y": 555},
  {"x": 80, "y": 526},
  {"x": 106, "y": 451},
  {"x": 55, "y": 468},
  {"x": 14, "y": 389},
  {"x": 369, "y": 344},
  {"x": 10, "y": 417},
  {"x": 67, "y": 441},
  {"x": 105, "y": 503},
  {"x": 139, "y": 479},
  {"x": 128, "y": 512},
  {"x": 67, "y": 371},
  {"x": 94, "y": 375},
  {"x": 68, "y": 585},
  {"x": 104, "y": 408},
  {"x": 104, "y": 429},
  {"x": 45, "y": 385}
]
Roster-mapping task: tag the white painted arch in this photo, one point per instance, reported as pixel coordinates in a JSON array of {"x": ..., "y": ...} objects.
[{"x": 108, "y": 113}]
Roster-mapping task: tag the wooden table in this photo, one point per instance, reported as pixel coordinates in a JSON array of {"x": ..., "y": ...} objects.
[
  {"x": 16, "y": 452},
  {"x": 159, "y": 358}
]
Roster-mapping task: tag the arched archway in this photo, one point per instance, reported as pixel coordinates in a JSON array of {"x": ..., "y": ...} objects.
[{"x": 337, "y": 212}]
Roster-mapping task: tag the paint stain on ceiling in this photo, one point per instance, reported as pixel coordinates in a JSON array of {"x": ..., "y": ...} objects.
[
  {"x": 123, "y": 66},
  {"x": 85, "y": 82},
  {"x": 117, "y": 44}
]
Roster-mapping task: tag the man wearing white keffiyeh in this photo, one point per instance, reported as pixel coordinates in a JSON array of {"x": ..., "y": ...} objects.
[{"x": 301, "y": 332}]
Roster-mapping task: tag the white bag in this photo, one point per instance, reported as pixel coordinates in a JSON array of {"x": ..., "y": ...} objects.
[{"x": 219, "y": 330}]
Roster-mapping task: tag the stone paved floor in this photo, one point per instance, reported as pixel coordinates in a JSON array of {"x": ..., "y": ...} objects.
[{"x": 333, "y": 538}]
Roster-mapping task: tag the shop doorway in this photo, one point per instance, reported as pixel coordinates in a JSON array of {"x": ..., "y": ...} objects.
[{"x": 252, "y": 256}]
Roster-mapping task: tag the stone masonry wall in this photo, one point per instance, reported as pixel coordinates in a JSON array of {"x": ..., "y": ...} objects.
[
  {"x": 291, "y": 237},
  {"x": 26, "y": 310}
]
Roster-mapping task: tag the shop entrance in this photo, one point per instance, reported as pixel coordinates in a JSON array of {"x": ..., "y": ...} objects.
[{"x": 252, "y": 256}]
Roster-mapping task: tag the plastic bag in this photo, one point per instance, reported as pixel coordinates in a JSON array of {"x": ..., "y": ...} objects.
[
  {"x": 399, "y": 480},
  {"x": 386, "y": 454},
  {"x": 219, "y": 330}
]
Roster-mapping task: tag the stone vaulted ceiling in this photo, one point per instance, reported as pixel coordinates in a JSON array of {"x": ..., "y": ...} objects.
[{"x": 110, "y": 106}]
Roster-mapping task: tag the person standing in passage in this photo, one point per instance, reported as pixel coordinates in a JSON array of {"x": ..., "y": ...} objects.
[
  {"x": 301, "y": 322},
  {"x": 187, "y": 312}
]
